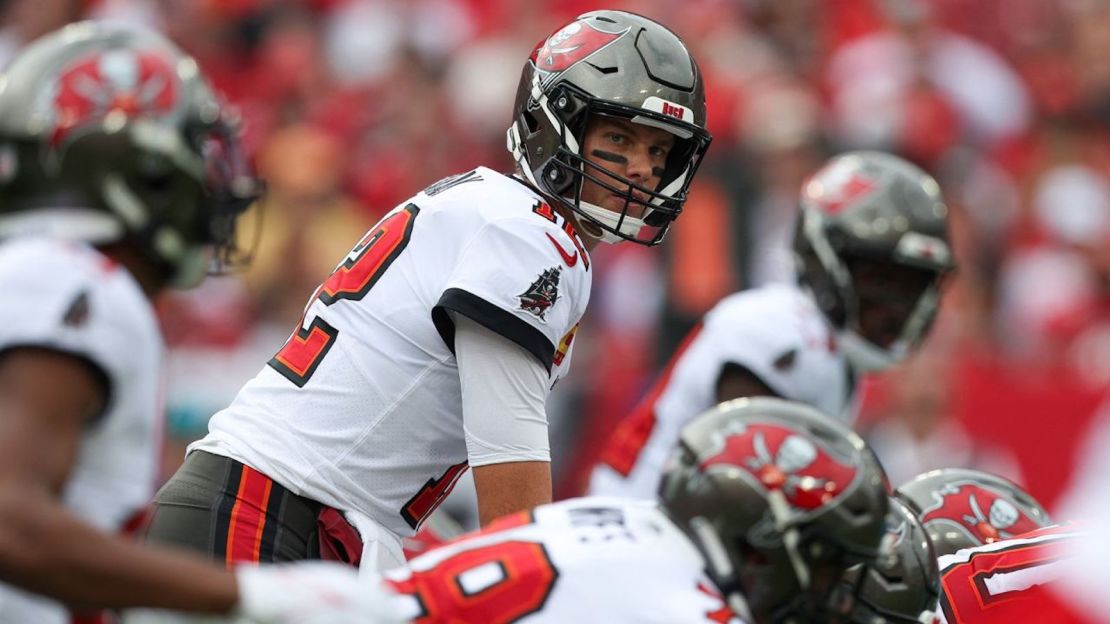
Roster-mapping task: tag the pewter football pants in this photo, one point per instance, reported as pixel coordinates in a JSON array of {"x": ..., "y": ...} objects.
[{"x": 233, "y": 513}]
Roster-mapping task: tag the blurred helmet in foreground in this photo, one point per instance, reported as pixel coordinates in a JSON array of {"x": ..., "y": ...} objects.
[
  {"x": 110, "y": 134},
  {"x": 963, "y": 508},
  {"x": 780, "y": 499}
]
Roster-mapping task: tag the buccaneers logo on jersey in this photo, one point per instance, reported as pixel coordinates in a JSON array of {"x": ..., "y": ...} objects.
[
  {"x": 779, "y": 458},
  {"x": 542, "y": 294},
  {"x": 123, "y": 82},
  {"x": 573, "y": 43},
  {"x": 983, "y": 514}
]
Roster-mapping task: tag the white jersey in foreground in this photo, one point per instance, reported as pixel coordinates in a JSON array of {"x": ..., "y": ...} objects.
[
  {"x": 68, "y": 297},
  {"x": 776, "y": 332},
  {"x": 361, "y": 409},
  {"x": 1011, "y": 580},
  {"x": 582, "y": 560}
]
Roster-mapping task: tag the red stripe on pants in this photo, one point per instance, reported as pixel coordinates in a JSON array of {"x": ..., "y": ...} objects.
[{"x": 248, "y": 517}]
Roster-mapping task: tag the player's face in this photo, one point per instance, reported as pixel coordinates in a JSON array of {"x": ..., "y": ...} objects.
[
  {"x": 887, "y": 295},
  {"x": 629, "y": 150}
]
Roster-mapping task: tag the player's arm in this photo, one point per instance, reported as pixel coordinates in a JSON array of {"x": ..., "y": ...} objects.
[
  {"x": 504, "y": 390},
  {"x": 736, "y": 381},
  {"x": 507, "y": 488},
  {"x": 47, "y": 398}
]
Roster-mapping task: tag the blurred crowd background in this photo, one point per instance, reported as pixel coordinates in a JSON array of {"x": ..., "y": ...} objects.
[{"x": 351, "y": 106}]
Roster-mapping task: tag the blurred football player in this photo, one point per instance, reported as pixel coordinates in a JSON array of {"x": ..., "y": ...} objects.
[
  {"x": 433, "y": 346},
  {"x": 871, "y": 250},
  {"x": 1000, "y": 554},
  {"x": 734, "y": 537},
  {"x": 119, "y": 176}
]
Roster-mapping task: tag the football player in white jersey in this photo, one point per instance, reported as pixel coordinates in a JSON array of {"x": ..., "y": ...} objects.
[
  {"x": 733, "y": 538},
  {"x": 432, "y": 347},
  {"x": 119, "y": 174},
  {"x": 871, "y": 252}
]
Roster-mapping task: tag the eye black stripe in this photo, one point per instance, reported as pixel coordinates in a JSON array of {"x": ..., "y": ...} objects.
[{"x": 610, "y": 157}]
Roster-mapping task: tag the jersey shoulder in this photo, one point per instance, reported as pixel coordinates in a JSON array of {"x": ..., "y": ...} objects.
[
  {"x": 42, "y": 268},
  {"x": 763, "y": 308},
  {"x": 482, "y": 193},
  {"x": 506, "y": 206}
]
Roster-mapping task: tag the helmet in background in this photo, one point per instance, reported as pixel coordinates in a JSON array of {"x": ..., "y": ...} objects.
[{"x": 871, "y": 246}]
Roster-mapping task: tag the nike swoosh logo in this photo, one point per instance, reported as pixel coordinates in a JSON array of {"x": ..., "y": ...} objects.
[{"x": 571, "y": 260}]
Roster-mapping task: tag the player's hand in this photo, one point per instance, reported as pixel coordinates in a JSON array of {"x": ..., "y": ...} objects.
[{"x": 311, "y": 593}]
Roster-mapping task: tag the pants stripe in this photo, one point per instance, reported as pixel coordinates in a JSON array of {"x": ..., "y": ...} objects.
[
  {"x": 228, "y": 499},
  {"x": 248, "y": 516}
]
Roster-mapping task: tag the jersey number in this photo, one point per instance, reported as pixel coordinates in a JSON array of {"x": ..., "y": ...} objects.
[
  {"x": 352, "y": 279},
  {"x": 495, "y": 584},
  {"x": 997, "y": 586},
  {"x": 419, "y": 507}
]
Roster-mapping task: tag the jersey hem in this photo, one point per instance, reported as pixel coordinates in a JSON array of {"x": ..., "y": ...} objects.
[{"x": 489, "y": 460}]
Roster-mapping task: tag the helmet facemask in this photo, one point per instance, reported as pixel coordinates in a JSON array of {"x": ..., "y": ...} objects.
[
  {"x": 231, "y": 189},
  {"x": 877, "y": 326},
  {"x": 902, "y": 585}
]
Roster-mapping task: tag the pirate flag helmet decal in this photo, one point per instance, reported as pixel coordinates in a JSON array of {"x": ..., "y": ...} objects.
[{"x": 962, "y": 508}]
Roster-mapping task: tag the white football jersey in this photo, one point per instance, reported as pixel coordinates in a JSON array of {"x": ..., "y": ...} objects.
[
  {"x": 360, "y": 410},
  {"x": 1011, "y": 580},
  {"x": 776, "y": 332},
  {"x": 581, "y": 560},
  {"x": 68, "y": 297}
]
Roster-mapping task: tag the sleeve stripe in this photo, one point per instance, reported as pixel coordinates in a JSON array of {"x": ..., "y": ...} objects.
[{"x": 493, "y": 318}]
